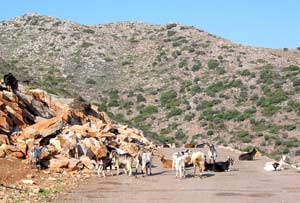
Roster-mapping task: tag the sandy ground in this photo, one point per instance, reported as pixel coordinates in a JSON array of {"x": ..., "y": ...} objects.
[{"x": 247, "y": 182}]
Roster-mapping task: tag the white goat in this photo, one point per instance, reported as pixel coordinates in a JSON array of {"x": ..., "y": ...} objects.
[
  {"x": 275, "y": 166},
  {"x": 211, "y": 153},
  {"x": 180, "y": 165},
  {"x": 145, "y": 160},
  {"x": 175, "y": 155}
]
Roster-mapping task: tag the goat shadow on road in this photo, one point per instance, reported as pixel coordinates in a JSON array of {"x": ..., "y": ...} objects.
[
  {"x": 206, "y": 175},
  {"x": 152, "y": 174}
]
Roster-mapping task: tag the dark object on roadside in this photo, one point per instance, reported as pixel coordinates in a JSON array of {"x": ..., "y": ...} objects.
[
  {"x": 248, "y": 156},
  {"x": 220, "y": 166}
]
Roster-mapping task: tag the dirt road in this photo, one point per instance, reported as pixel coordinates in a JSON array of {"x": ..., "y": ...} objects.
[{"x": 248, "y": 182}]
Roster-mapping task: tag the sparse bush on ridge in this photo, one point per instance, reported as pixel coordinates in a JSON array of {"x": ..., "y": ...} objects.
[{"x": 212, "y": 64}]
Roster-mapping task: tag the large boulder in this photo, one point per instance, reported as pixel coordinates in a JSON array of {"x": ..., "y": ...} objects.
[
  {"x": 43, "y": 128},
  {"x": 4, "y": 139},
  {"x": 14, "y": 151},
  {"x": 21, "y": 144},
  {"x": 99, "y": 151},
  {"x": 87, "y": 162},
  {"x": 58, "y": 164},
  {"x": 74, "y": 164},
  {"x": 4, "y": 123},
  {"x": 2, "y": 153},
  {"x": 130, "y": 148}
]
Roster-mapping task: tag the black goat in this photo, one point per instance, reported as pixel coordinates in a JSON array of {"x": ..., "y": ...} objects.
[
  {"x": 11, "y": 82},
  {"x": 104, "y": 162},
  {"x": 248, "y": 156},
  {"x": 220, "y": 166},
  {"x": 114, "y": 131}
]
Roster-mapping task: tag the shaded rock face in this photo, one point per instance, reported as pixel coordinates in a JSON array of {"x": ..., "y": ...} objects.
[{"x": 66, "y": 136}]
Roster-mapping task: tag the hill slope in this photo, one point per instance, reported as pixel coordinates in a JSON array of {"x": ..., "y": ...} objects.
[{"x": 169, "y": 80}]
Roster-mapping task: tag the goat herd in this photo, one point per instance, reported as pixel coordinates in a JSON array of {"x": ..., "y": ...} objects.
[{"x": 117, "y": 158}]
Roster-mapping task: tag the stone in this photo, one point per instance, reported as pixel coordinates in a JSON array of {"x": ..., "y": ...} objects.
[
  {"x": 4, "y": 139},
  {"x": 25, "y": 181},
  {"x": 4, "y": 123},
  {"x": 58, "y": 164},
  {"x": 43, "y": 128},
  {"x": 14, "y": 151},
  {"x": 87, "y": 162},
  {"x": 99, "y": 151},
  {"x": 2, "y": 153},
  {"x": 73, "y": 164},
  {"x": 21, "y": 144},
  {"x": 18, "y": 155}
]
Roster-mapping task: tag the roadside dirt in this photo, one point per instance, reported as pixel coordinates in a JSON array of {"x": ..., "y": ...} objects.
[{"x": 247, "y": 182}]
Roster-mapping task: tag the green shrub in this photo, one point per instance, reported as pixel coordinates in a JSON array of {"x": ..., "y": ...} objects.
[
  {"x": 176, "y": 53},
  {"x": 171, "y": 25},
  {"x": 286, "y": 151},
  {"x": 210, "y": 132},
  {"x": 212, "y": 64},
  {"x": 220, "y": 70},
  {"x": 189, "y": 117},
  {"x": 270, "y": 110},
  {"x": 165, "y": 131},
  {"x": 120, "y": 118},
  {"x": 297, "y": 153},
  {"x": 89, "y": 31},
  {"x": 296, "y": 82},
  {"x": 133, "y": 40},
  {"x": 167, "y": 96},
  {"x": 183, "y": 63},
  {"x": 125, "y": 62},
  {"x": 140, "y": 98},
  {"x": 243, "y": 134},
  {"x": 292, "y": 142},
  {"x": 150, "y": 110},
  {"x": 290, "y": 127},
  {"x": 196, "y": 67},
  {"x": 86, "y": 44},
  {"x": 170, "y": 33},
  {"x": 113, "y": 94},
  {"x": 128, "y": 105},
  {"x": 216, "y": 87},
  {"x": 267, "y": 75},
  {"x": 195, "y": 89},
  {"x": 179, "y": 135},
  {"x": 90, "y": 81},
  {"x": 244, "y": 72},
  {"x": 292, "y": 68},
  {"x": 113, "y": 103},
  {"x": 174, "y": 112}
]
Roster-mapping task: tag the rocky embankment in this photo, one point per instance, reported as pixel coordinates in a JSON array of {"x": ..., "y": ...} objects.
[{"x": 60, "y": 129}]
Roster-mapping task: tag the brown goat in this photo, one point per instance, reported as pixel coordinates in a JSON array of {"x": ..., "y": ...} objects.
[
  {"x": 198, "y": 161},
  {"x": 166, "y": 162},
  {"x": 189, "y": 146}
]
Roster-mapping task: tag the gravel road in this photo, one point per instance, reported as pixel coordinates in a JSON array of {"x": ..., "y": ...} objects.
[{"x": 247, "y": 182}]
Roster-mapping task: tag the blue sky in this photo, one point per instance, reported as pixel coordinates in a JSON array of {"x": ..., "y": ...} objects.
[{"x": 266, "y": 23}]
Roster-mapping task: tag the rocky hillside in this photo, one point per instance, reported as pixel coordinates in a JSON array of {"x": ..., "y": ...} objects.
[{"x": 175, "y": 82}]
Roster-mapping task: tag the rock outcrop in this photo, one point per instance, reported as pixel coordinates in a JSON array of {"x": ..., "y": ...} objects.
[{"x": 71, "y": 134}]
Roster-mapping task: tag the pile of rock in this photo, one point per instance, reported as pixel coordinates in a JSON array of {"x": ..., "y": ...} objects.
[{"x": 73, "y": 132}]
